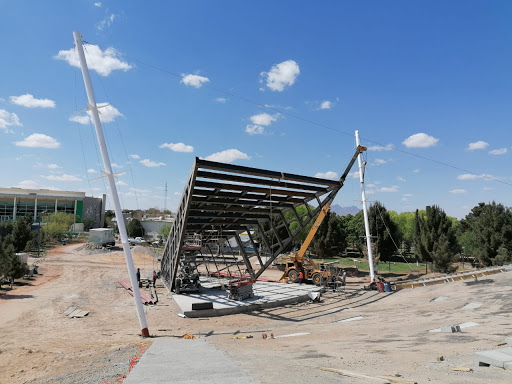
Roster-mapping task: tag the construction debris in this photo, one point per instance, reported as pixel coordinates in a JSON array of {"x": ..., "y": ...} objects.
[
  {"x": 366, "y": 377},
  {"x": 189, "y": 336},
  {"x": 242, "y": 337},
  {"x": 143, "y": 296},
  {"x": 73, "y": 312},
  {"x": 501, "y": 358},
  {"x": 462, "y": 369}
]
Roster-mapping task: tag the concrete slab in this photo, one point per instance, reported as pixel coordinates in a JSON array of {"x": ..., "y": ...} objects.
[
  {"x": 187, "y": 362},
  {"x": 498, "y": 357},
  {"x": 508, "y": 340},
  {"x": 266, "y": 295}
]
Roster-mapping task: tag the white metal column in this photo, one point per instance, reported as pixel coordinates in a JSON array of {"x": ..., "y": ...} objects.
[
  {"x": 113, "y": 189},
  {"x": 365, "y": 212}
]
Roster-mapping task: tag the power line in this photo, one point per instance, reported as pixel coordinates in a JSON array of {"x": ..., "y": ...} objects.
[{"x": 321, "y": 125}]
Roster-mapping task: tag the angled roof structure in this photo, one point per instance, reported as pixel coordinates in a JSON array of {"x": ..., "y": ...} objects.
[{"x": 250, "y": 209}]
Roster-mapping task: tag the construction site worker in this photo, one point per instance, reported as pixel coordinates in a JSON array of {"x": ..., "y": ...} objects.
[
  {"x": 301, "y": 277},
  {"x": 138, "y": 277},
  {"x": 154, "y": 278}
]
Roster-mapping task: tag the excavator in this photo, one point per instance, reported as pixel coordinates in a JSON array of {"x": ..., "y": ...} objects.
[{"x": 315, "y": 272}]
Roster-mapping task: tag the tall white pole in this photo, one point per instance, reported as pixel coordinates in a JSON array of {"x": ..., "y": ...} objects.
[
  {"x": 365, "y": 212},
  {"x": 108, "y": 171}
]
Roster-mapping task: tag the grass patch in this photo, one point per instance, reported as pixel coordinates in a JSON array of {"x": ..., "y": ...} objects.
[{"x": 362, "y": 265}]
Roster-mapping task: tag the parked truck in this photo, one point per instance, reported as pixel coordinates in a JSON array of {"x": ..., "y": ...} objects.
[{"x": 102, "y": 236}]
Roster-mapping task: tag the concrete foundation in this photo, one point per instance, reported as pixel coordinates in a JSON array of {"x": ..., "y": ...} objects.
[{"x": 266, "y": 295}]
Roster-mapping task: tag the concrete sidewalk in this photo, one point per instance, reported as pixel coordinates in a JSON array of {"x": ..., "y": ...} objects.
[
  {"x": 186, "y": 361},
  {"x": 266, "y": 295}
]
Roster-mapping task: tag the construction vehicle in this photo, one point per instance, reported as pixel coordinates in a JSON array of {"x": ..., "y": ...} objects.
[{"x": 318, "y": 273}]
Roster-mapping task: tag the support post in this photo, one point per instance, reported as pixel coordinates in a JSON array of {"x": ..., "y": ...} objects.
[
  {"x": 110, "y": 177},
  {"x": 365, "y": 212}
]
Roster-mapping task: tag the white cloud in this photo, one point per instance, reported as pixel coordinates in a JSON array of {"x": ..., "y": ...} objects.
[
  {"x": 472, "y": 176},
  {"x": 178, "y": 147},
  {"x": 416, "y": 171},
  {"x": 500, "y": 151},
  {"x": 29, "y": 101},
  {"x": 62, "y": 177},
  {"x": 106, "y": 22},
  {"x": 107, "y": 112},
  {"x": 97, "y": 4},
  {"x": 92, "y": 171},
  {"x": 477, "y": 145},
  {"x": 263, "y": 119},
  {"x": 7, "y": 119},
  {"x": 326, "y": 104},
  {"x": 281, "y": 75},
  {"x": 221, "y": 100},
  {"x": 394, "y": 188},
  {"x": 151, "y": 164},
  {"x": 420, "y": 140},
  {"x": 254, "y": 130},
  {"x": 400, "y": 178},
  {"x": 195, "y": 81},
  {"x": 38, "y": 140},
  {"x": 387, "y": 147},
  {"x": 487, "y": 188},
  {"x": 121, "y": 183},
  {"x": 115, "y": 165},
  {"x": 103, "y": 62},
  {"x": 53, "y": 166},
  {"x": 135, "y": 157},
  {"x": 228, "y": 156},
  {"x": 380, "y": 161},
  {"x": 354, "y": 174},
  {"x": 457, "y": 191},
  {"x": 27, "y": 184},
  {"x": 407, "y": 194},
  {"x": 327, "y": 175}
]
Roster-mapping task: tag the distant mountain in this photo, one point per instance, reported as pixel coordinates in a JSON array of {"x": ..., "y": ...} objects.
[{"x": 343, "y": 211}]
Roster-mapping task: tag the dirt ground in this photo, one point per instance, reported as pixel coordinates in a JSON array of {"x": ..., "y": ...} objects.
[{"x": 389, "y": 332}]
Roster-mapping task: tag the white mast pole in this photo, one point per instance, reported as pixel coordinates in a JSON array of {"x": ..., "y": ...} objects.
[
  {"x": 365, "y": 212},
  {"x": 108, "y": 172}
]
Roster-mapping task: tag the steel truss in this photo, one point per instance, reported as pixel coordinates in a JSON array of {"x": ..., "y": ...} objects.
[{"x": 225, "y": 201}]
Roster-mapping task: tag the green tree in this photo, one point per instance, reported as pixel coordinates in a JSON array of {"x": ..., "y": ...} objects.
[
  {"x": 22, "y": 233},
  {"x": 10, "y": 264},
  {"x": 405, "y": 225},
  {"x": 330, "y": 238},
  {"x": 134, "y": 228},
  {"x": 491, "y": 230},
  {"x": 353, "y": 225},
  {"x": 58, "y": 225},
  {"x": 385, "y": 231},
  {"x": 435, "y": 239},
  {"x": 164, "y": 231}
]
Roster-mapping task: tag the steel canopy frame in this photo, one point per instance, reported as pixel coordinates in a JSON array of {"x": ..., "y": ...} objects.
[{"x": 224, "y": 201}]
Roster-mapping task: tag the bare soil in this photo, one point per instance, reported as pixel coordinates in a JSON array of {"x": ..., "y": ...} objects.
[{"x": 389, "y": 332}]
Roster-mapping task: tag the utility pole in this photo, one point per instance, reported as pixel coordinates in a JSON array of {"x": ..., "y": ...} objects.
[
  {"x": 110, "y": 177},
  {"x": 165, "y": 201},
  {"x": 365, "y": 212}
]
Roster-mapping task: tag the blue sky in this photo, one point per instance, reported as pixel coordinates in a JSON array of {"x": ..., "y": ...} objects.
[{"x": 280, "y": 85}]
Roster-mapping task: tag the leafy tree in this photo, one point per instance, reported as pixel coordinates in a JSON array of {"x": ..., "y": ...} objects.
[
  {"x": 491, "y": 231},
  {"x": 435, "y": 239},
  {"x": 134, "y": 228},
  {"x": 109, "y": 215},
  {"x": 384, "y": 229},
  {"x": 164, "y": 231},
  {"x": 405, "y": 225},
  {"x": 58, "y": 225},
  {"x": 352, "y": 225}
]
